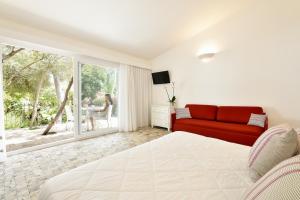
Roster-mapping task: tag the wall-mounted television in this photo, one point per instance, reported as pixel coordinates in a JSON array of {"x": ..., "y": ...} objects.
[{"x": 161, "y": 77}]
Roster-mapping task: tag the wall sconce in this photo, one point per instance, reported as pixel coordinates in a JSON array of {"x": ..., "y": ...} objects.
[{"x": 206, "y": 57}]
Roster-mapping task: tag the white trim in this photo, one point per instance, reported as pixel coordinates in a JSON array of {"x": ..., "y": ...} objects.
[
  {"x": 46, "y": 49},
  {"x": 67, "y": 46},
  {"x": 2, "y": 128},
  {"x": 39, "y": 147},
  {"x": 78, "y": 67},
  {"x": 96, "y": 61},
  {"x": 76, "y": 98},
  {"x": 97, "y": 133},
  {"x": 34, "y": 46}
]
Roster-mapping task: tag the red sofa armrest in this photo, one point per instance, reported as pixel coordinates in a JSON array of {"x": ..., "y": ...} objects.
[{"x": 173, "y": 118}]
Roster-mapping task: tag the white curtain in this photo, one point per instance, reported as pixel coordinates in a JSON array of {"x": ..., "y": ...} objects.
[{"x": 135, "y": 97}]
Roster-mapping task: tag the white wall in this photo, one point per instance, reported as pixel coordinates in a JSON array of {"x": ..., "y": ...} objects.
[
  {"x": 258, "y": 62},
  {"x": 13, "y": 32}
]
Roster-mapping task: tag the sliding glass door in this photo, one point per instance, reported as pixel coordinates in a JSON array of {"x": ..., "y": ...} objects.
[
  {"x": 50, "y": 98},
  {"x": 98, "y": 99}
]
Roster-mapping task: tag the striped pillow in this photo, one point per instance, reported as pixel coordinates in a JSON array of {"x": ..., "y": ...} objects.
[
  {"x": 183, "y": 113},
  {"x": 273, "y": 146},
  {"x": 282, "y": 182},
  {"x": 257, "y": 120}
]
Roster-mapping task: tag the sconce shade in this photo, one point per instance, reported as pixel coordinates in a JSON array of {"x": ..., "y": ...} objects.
[{"x": 206, "y": 57}]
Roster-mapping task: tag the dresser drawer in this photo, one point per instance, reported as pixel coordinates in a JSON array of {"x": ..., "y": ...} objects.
[
  {"x": 161, "y": 119},
  {"x": 160, "y": 116},
  {"x": 163, "y": 109},
  {"x": 161, "y": 123}
]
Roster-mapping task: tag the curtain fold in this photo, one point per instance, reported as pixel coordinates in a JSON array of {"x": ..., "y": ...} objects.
[{"x": 135, "y": 97}]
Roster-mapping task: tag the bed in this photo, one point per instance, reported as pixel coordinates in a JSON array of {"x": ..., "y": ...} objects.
[{"x": 177, "y": 166}]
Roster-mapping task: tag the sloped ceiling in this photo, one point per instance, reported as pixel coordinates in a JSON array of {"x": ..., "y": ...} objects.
[{"x": 143, "y": 28}]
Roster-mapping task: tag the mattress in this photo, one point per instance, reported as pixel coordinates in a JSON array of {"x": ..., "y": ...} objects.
[{"x": 177, "y": 166}]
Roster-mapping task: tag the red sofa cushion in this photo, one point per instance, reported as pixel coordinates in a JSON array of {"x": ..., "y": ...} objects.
[
  {"x": 228, "y": 127},
  {"x": 237, "y": 114},
  {"x": 230, "y": 136},
  {"x": 207, "y": 112}
]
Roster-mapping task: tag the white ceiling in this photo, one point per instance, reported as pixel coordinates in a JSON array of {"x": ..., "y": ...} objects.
[{"x": 144, "y": 28}]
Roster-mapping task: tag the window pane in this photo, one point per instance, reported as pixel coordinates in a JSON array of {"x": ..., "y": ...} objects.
[
  {"x": 99, "y": 95},
  {"x": 35, "y": 85}
]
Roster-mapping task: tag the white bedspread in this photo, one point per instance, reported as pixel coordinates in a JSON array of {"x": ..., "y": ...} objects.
[{"x": 178, "y": 166}]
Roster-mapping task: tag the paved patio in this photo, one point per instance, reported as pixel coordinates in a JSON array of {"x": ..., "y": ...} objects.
[{"x": 22, "y": 138}]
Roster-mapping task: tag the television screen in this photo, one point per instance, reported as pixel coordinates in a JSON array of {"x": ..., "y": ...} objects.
[{"x": 161, "y": 77}]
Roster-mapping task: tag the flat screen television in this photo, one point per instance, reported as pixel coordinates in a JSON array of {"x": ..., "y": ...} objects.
[{"x": 161, "y": 77}]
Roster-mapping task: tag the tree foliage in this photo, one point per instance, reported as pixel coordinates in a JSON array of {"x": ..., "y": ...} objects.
[
  {"x": 23, "y": 72},
  {"x": 95, "y": 79}
]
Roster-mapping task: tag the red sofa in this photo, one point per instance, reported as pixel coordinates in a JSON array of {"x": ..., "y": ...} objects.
[{"x": 227, "y": 123}]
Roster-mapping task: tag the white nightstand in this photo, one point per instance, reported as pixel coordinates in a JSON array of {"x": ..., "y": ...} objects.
[{"x": 161, "y": 116}]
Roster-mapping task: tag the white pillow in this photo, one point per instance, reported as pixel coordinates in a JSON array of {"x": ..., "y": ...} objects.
[
  {"x": 273, "y": 146},
  {"x": 183, "y": 113},
  {"x": 257, "y": 120},
  {"x": 282, "y": 182}
]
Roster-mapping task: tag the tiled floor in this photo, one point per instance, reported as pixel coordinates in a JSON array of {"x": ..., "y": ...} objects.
[{"x": 22, "y": 175}]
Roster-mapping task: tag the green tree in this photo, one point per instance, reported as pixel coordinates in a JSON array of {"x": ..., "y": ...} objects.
[
  {"x": 28, "y": 73},
  {"x": 95, "y": 79}
]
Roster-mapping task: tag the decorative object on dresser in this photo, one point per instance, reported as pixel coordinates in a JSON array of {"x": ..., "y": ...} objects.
[
  {"x": 161, "y": 116},
  {"x": 171, "y": 99}
]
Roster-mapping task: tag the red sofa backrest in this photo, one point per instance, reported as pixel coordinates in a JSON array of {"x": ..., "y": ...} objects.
[
  {"x": 205, "y": 112},
  {"x": 237, "y": 114}
]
